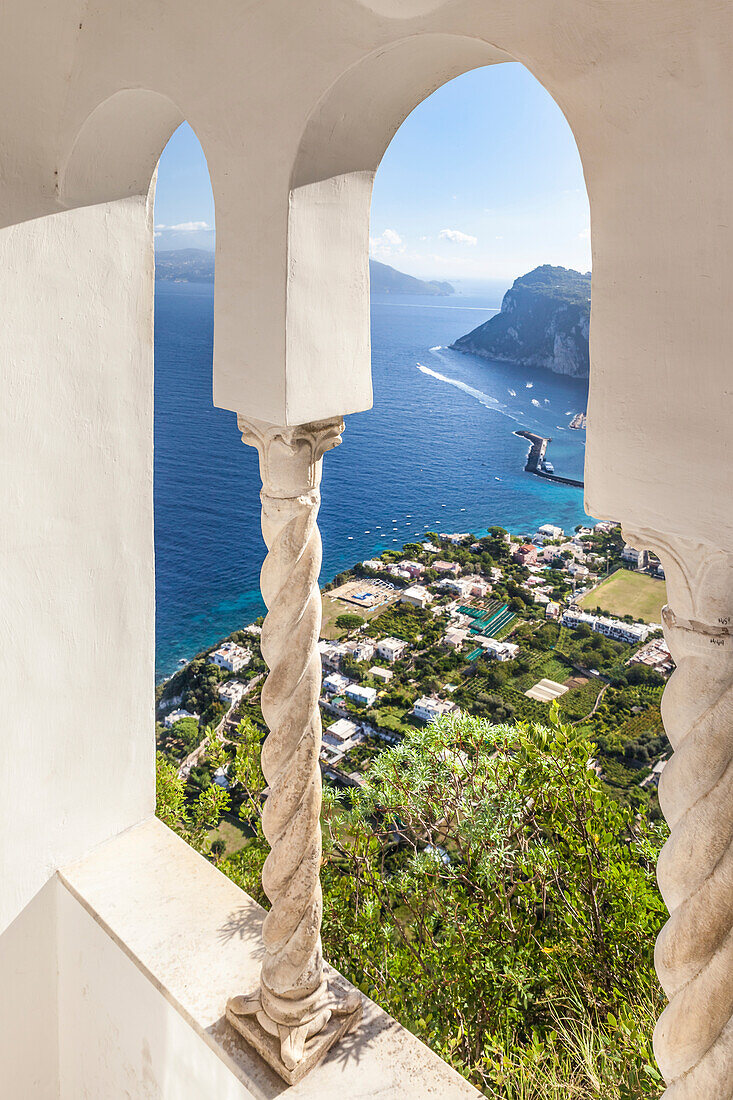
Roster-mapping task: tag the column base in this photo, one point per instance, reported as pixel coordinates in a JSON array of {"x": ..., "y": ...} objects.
[{"x": 346, "y": 1009}]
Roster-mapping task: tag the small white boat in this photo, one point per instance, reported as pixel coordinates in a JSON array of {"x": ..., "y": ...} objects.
[
  {"x": 513, "y": 393},
  {"x": 497, "y": 479},
  {"x": 529, "y": 385}
]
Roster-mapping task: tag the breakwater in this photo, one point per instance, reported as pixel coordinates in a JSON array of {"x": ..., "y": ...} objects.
[{"x": 536, "y": 456}]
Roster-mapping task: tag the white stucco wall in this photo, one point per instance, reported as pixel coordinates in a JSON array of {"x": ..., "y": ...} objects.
[
  {"x": 76, "y": 549},
  {"x": 118, "y": 1035},
  {"x": 29, "y": 1049}
]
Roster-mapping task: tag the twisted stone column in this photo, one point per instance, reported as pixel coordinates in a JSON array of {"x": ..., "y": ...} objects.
[
  {"x": 693, "y": 1040},
  {"x": 296, "y": 1014}
]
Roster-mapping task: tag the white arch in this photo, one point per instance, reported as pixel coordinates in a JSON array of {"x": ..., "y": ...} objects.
[{"x": 117, "y": 148}]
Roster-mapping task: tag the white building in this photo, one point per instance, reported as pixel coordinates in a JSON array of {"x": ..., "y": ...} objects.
[
  {"x": 476, "y": 586},
  {"x": 374, "y": 564},
  {"x": 552, "y": 610},
  {"x": 360, "y": 649},
  {"x": 549, "y": 531},
  {"x": 176, "y": 716},
  {"x": 335, "y": 683},
  {"x": 230, "y": 656},
  {"x": 501, "y": 651},
  {"x": 391, "y": 649},
  {"x": 610, "y": 628},
  {"x": 331, "y": 654},
  {"x": 378, "y": 673},
  {"x": 454, "y": 637},
  {"x": 232, "y": 692},
  {"x": 400, "y": 573},
  {"x": 359, "y": 693},
  {"x": 428, "y": 708},
  {"x": 630, "y": 553},
  {"x": 416, "y": 596},
  {"x": 343, "y": 730}
]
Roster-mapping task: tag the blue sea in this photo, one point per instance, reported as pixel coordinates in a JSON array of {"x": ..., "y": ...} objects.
[{"x": 437, "y": 452}]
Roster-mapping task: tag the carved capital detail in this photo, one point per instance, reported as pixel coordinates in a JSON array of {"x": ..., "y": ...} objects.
[
  {"x": 290, "y": 457},
  {"x": 693, "y": 1040},
  {"x": 699, "y": 579}
]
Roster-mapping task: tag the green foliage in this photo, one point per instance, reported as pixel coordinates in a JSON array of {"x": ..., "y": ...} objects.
[
  {"x": 247, "y": 770},
  {"x": 349, "y": 620},
  {"x": 187, "y": 731},
  {"x": 486, "y": 890},
  {"x": 192, "y": 819}
]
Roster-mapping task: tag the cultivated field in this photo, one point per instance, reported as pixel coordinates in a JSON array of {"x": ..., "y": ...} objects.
[{"x": 629, "y": 593}]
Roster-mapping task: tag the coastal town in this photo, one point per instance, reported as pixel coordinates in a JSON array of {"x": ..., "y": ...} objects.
[{"x": 497, "y": 626}]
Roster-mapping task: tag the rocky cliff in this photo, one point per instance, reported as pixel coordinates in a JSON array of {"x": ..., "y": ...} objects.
[{"x": 544, "y": 322}]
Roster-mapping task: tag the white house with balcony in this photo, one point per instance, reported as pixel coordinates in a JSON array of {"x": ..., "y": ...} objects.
[
  {"x": 361, "y": 694},
  {"x": 416, "y": 596},
  {"x": 128, "y": 964},
  {"x": 428, "y": 708},
  {"x": 500, "y": 651},
  {"x": 391, "y": 649},
  {"x": 619, "y": 631},
  {"x": 230, "y": 656},
  {"x": 232, "y": 692},
  {"x": 335, "y": 683}
]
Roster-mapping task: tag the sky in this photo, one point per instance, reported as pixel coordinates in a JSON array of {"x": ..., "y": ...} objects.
[{"x": 482, "y": 181}]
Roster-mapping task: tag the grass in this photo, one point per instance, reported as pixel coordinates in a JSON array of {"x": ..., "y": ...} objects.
[
  {"x": 629, "y": 593},
  {"x": 233, "y": 833},
  {"x": 332, "y": 608}
]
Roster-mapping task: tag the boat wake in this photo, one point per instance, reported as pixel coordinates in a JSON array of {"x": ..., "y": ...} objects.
[
  {"x": 484, "y": 398},
  {"x": 438, "y": 347}
]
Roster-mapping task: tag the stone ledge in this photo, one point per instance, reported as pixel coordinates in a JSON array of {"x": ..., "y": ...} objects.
[{"x": 196, "y": 937}]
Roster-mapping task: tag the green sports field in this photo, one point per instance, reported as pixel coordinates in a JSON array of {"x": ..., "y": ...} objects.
[{"x": 628, "y": 593}]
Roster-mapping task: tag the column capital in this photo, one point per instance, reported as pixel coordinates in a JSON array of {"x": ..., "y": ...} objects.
[
  {"x": 290, "y": 456},
  {"x": 699, "y": 580}
]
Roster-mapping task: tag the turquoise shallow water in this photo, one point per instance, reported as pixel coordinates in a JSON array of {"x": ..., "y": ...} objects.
[{"x": 426, "y": 457}]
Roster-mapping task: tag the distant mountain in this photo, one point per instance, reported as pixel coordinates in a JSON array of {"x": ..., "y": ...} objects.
[
  {"x": 544, "y": 322},
  {"x": 387, "y": 280},
  {"x": 185, "y": 265},
  {"x": 196, "y": 265}
]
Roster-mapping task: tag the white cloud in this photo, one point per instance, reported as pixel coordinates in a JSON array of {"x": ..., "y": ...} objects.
[
  {"x": 388, "y": 243},
  {"x": 186, "y": 227},
  {"x": 391, "y": 236},
  {"x": 457, "y": 236}
]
